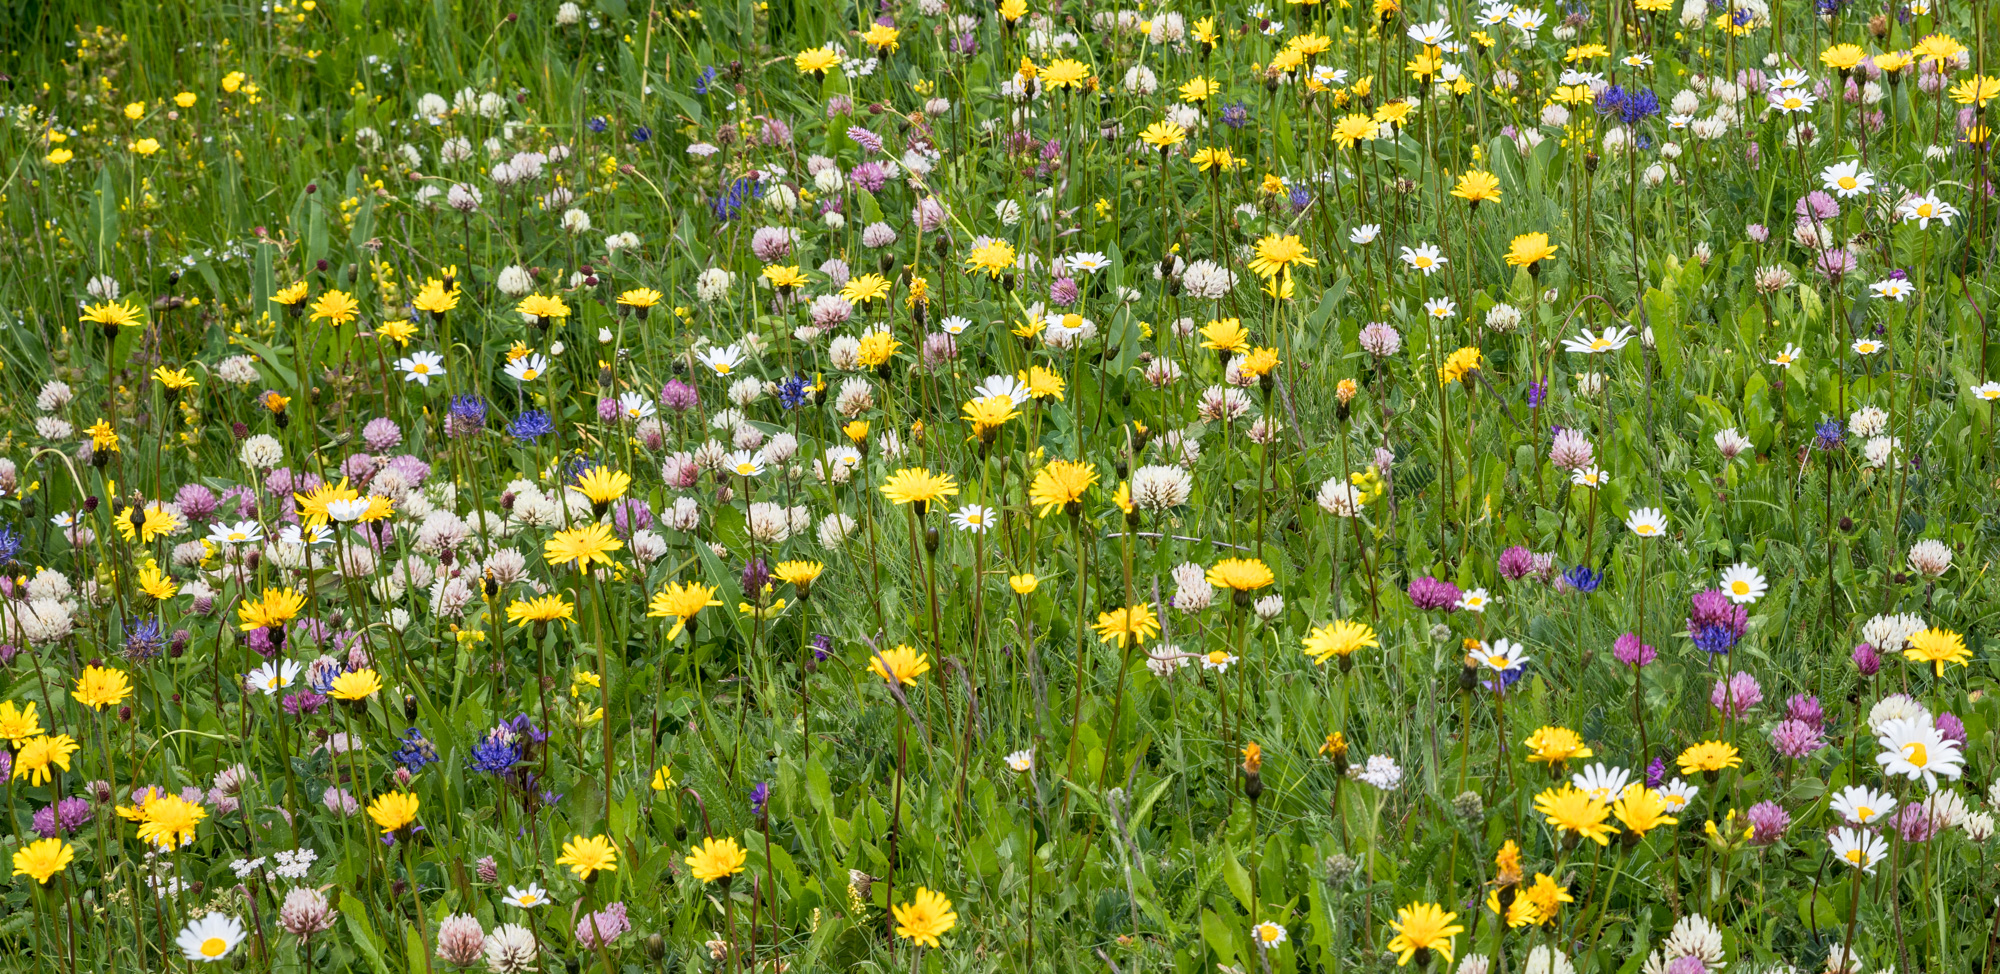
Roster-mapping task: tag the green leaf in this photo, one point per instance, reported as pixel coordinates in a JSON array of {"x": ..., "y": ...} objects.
[
  {"x": 1238, "y": 879},
  {"x": 364, "y": 933}
]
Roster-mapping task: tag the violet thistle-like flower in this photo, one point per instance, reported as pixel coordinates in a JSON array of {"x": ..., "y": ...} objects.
[
  {"x": 679, "y": 396},
  {"x": 1866, "y": 660},
  {"x": 609, "y": 923},
  {"x": 1805, "y": 709},
  {"x": 1715, "y": 623},
  {"x": 1916, "y": 823},
  {"x": 1516, "y": 563},
  {"x": 1737, "y": 695},
  {"x": 1431, "y": 593},
  {"x": 1951, "y": 728},
  {"x": 1628, "y": 650},
  {"x": 1768, "y": 822},
  {"x": 1656, "y": 772},
  {"x": 1796, "y": 739}
]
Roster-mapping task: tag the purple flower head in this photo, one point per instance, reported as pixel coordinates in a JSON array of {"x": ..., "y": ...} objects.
[
  {"x": 866, "y": 139},
  {"x": 1817, "y": 205},
  {"x": 1836, "y": 262},
  {"x": 871, "y": 175},
  {"x": 197, "y": 503},
  {"x": 1951, "y": 728},
  {"x": 1516, "y": 563},
  {"x": 1537, "y": 392},
  {"x": 1916, "y": 823},
  {"x": 304, "y": 703},
  {"x": 1805, "y": 709},
  {"x": 1768, "y": 822},
  {"x": 63, "y": 817},
  {"x": 756, "y": 577},
  {"x": 259, "y": 642},
  {"x": 1757, "y": 232},
  {"x": 1656, "y": 772},
  {"x": 609, "y": 923},
  {"x": 382, "y": 434},
  {"x": 1063, "y": 292},
  {"x": 1687, "y": 964},
  {"x": 1737, "y": 695},
  {"x": 1866, "y": 659},
  {"x": 1715, "y": 623},
  {"x": 822, "y": 645},
  {"x": 760, "y": 797},
  {"x": 1430, "y": 593},
  {"x": 608, "y": 409},
  {"x": 1796, "y": 739},
  {"x": 629, "y": 515},
  {"x": 679, "y": 396},
  {"x": 1628, "y": 650}
]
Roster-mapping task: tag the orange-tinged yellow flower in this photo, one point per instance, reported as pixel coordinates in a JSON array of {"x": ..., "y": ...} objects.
[
  {"x": 901, "y": 664},
  {"x": 582, "y": 547},
  {"x": 277, "y": 607},
  {"x": 716, "y": 859},
  {"x": 1133, "y": 623},
  {"x": 925, "y": 918},
  {"x": 100, "y": 687},
  {"x": 1476, "y": 187},
  {"x": 1061, "y": 484},
  {"x": 393, "y": 811},
  {"x": 681, "y": 602},
  {"x": 588, "y": 857}
]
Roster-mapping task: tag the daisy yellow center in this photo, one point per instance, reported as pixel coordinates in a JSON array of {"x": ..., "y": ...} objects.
[
  {"x": 420, "y": 368},
  {"x": 1863, "y": 812},
  {"x": 529, "y": 373},
  {"x": 1924, "y": 209},
  {"x": 271, "y": 684},
  {"x": 975, "y": 519},
  {"x": 1740, "y": 587},
  {"x": 1914, "y": 753},
  {"x": 1785, "y": 358},
  {"x": 529, "y": 899},
  {"x": 1990, "y": 394},
  {"x": 1854, "y": 856},
  {"x": 1599, "y": 344},
  {"x": 745, "y": 470},
  {"x": 1497, "y": 662},
  {"x": 1847, "y": 182},
  {"x": 1217, "y": 656},
  {"x": 238, "y": 536},
  {"x": 214, "y": 947},
  {"x": 1648, "y": 529},
  {"x": 1268, "y": 934},
  {"x": 722, "y": 368},
  {"x": 1423, "y": 262}
]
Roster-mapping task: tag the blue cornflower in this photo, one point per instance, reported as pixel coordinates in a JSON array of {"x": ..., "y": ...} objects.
[
  {"x": 1299, "y": 197},
  {"x": 415, "y": 753},
  {"x": 1828, "y": 434},
  {"x": 1236, "y": 114},
  {"x": 1630, "y": 107},
  {"x": 740, "y": 190},
  {"x": 598, "y": 124},
  {"x": 706, "y": 81},
  {"x": 1583, "y": 579},
  {"x": 642, "y": 134},
  {"x": 495, "y": 754},
  {"x": 523, "y": 727},
  {"x": 792, "y": 392},
  {"x": 143, "y": 639},
  {"x": 10, "y": 545},
  {"x": 531, "y": 425},
  {"x": 469, "y": 410}
]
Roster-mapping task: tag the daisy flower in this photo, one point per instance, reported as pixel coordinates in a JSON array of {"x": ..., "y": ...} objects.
[{"x": 1424, "y": 257}]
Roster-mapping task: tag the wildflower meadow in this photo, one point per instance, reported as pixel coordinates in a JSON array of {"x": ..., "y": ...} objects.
[{"x": 1022, "y": 486}]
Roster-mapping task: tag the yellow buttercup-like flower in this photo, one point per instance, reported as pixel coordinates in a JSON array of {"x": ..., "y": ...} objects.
[
  {"x": 41, "y": 860},
  {"x": 393, "y": 811},
  {"x": 681, "y": 602},
  {"x": 901, "y": 664},
  {"x": 715, "y": 859},
  {"x": 588, "y": 857},
  {"x": 925, "y": 918},
  {"x": 1060, "y": 486},
  {"x": 100, "y": 687}
]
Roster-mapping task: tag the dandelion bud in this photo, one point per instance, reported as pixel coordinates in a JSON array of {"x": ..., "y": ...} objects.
[{"x": 656, "y": 947}]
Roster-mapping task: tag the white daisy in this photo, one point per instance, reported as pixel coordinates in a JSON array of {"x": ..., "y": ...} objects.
[
  {"x": 1743, "y": 584},
  {"x": 526, "y": 899},
  {"x": 528, "y": 367},
  {"x": 973, "y": 518},
  {"x": 210, "y": 938},
  {"x": 1424, "y": 257},
  {"x": 272, "y": 677},
  {"x": 1860, "y": 804},
  {"x": 421, "y": 367},
  {"x": 1647, "y": 522}
]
